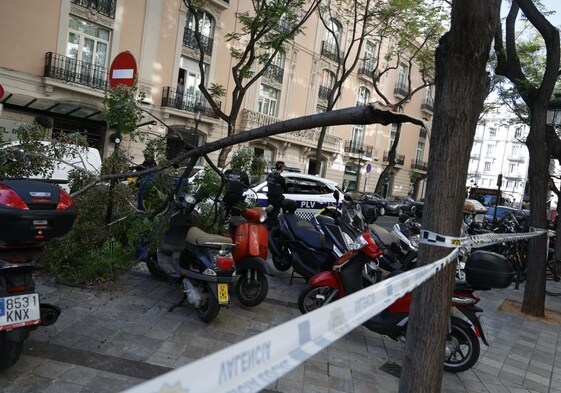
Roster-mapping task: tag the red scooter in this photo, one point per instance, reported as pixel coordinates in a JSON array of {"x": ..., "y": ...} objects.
[
  {"x": 250, "y": 234},
  {"x": 484, "y": 270}
]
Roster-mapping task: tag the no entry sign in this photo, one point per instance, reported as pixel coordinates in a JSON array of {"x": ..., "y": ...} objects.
[{"x": 123, "y": 70}]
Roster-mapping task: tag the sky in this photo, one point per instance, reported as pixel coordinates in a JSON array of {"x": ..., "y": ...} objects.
[{"x": 553, "y": 5}]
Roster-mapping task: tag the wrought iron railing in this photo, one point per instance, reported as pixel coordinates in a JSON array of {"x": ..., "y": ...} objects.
[
  {"x": 421, "y": 165},
  {"x": 427, "y": 104},
  {"x": 399, "y": 158},
  {"x": 402, "y": 89},
  {"x": 104, "y": 7},
  {"x": 330, "y": 51},
  {"x": 190, "y": 41},
  {"x": 274, "y": 72},
  {"x": 358, "y": 148},
  {"x": 187, "y": 102},
  {"x": 366, "y": 68},
  {"x": 71, "y": 70}
]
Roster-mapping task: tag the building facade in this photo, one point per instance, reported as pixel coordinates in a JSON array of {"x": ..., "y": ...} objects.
[
  {"x": 499, "y": 149},
  {"x": 57, "y": 54}
]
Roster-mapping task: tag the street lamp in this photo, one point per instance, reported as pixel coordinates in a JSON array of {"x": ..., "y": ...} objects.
[
  {"x": 554, "y": 112},
  {"x": 198, "y": 110}
]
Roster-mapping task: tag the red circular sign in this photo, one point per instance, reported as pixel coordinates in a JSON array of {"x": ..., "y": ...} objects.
[
  {"x": 123, "y": 70},
  {"x": 1, "y": 91}
]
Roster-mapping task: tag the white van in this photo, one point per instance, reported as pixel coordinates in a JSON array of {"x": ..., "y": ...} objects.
[{"x": 78, "y": 157}]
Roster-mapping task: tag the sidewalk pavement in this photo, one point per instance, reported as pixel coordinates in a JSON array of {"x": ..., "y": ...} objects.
[{"x": 107, "y": 340}]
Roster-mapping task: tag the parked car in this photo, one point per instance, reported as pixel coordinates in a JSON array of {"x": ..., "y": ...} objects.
[
  {"x": 504, "y": 211},
  {"x": 312, "y": 193},
  {"x": 399, "y": 205},
  {"x": 373, "y": 205}
]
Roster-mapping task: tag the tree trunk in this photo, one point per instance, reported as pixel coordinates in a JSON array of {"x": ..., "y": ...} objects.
[
  {"x": 538, "y": 176},
  {"x": 461, "y": 88}
]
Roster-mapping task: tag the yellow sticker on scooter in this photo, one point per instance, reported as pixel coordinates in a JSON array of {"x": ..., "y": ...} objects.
[{"x": 223, "y": 293}]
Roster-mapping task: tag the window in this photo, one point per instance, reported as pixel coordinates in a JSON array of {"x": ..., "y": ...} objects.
[
  {"x": 369, "y": 53},
  {"x": 334, "y": 36},
  {"x": 490, "y": 150},
  {"x": 518, "y": 132},
  {"x": 357, "y": 135},
  {"x": 511, "y": 168},
  {"x": 402, "y": 76},
  {"x": 206, "y": 27},
  {"x": 509, "y": 184},
  {"x": 268, "y": 100},
  {"x": 492, "y": 132},
  {"x": 192, "y": 79},
  {"x": 487, "y": 167},
  {"x": 363, "y": 96},
  {"x": 419, "y": 153},
  {"x": 515, "y": 150},
  {"x": 327, "y": 78},
  {"x": 88, "y": 47},
  {"x": 310, "y": 187}
]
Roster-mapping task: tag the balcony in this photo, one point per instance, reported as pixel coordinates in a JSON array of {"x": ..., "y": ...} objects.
[
  {"x": 475, "y": 156},
  {"x": 324, "y": 92},
  {"x": 221, "y": 4},
  {"x": 283, "y": 26},
  {"x": 366, "y": 68},
  {"x": 330, "y": 51},
  {"x": 307, "y": 138},
  {"x": 516, "y": 158},
  {"x": 75, "y": 71},
  {"x": 358, "y": 149},
  {"x": 274, "y": 72},
  {"x": 190, "y": 41},
  {"x": 103, "y": 7},
  {"x": 186, "y": 102},
  {"x": 401, "y": 89},
  {"x": 427, "y": 105},
  {"x": 420, "y": 165},
  {"x": 399, "y": 158}
]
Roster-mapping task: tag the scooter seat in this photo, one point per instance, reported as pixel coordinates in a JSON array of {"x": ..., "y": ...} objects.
[
  {"x": 305, "y": 231},
  {"x": 199, "y": 237},
  {"x": 384, "y": 235}
]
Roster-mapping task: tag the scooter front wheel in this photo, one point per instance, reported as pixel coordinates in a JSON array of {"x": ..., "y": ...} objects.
[
  {"x": 462, "y": 347},
  {"x": 10, "y": 352},
  {"x": 209, "y": 308},
  {"x": 251, "y": 288},
  {"x": 281, "y": 264},
  {"x": 156, "y": 271},
  {"x": 313, "y": 298}
]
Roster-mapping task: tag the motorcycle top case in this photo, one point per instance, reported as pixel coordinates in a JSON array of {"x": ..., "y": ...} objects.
[
  {"x": 34, "y": 210},
  {"x": 486, "y": 269}
]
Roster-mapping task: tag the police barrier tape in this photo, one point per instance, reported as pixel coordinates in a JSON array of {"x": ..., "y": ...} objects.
[
  {"x": 253, "y": 364},
  {"x": 475, "y": 241}
]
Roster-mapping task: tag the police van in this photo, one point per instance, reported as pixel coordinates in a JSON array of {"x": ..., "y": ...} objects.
[{"x": 311, "y": 193}]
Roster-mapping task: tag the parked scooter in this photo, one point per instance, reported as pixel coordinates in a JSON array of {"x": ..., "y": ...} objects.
[
  {"x": 250, "y": 235},
  {"x": 399, "y": 253},
  {"x": 201, "y": 261},
  {"x": 32, "y": 212},
  {"x": 300, "y": 245},
  {"x": 484, "y": 270}
]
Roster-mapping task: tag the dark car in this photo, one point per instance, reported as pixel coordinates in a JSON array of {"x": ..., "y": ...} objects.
[
  {"x": 399, "y": 205},
  {"x": 504, "y": 211},
  {"x": 368, "y": 199}
]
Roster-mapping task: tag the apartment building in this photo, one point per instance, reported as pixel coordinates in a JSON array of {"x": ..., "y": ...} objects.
[
  {"x": 499, "y": 149},
  {"x": 54, "y": 69}
]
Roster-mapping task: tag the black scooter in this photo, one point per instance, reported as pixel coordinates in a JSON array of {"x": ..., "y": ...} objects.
[
  {"x": 200, "y": 261},
  {"x": 31, "y": 212}
]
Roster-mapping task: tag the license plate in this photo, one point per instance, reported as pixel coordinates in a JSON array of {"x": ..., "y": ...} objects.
[
  {"x": 18, "y": 311},
  {"x": 223, "y": 296}
]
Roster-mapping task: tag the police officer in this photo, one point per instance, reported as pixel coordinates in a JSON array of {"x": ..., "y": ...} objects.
[
  {"x": 238, "y": 182},
  {"x": 276, "y": 185}
]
